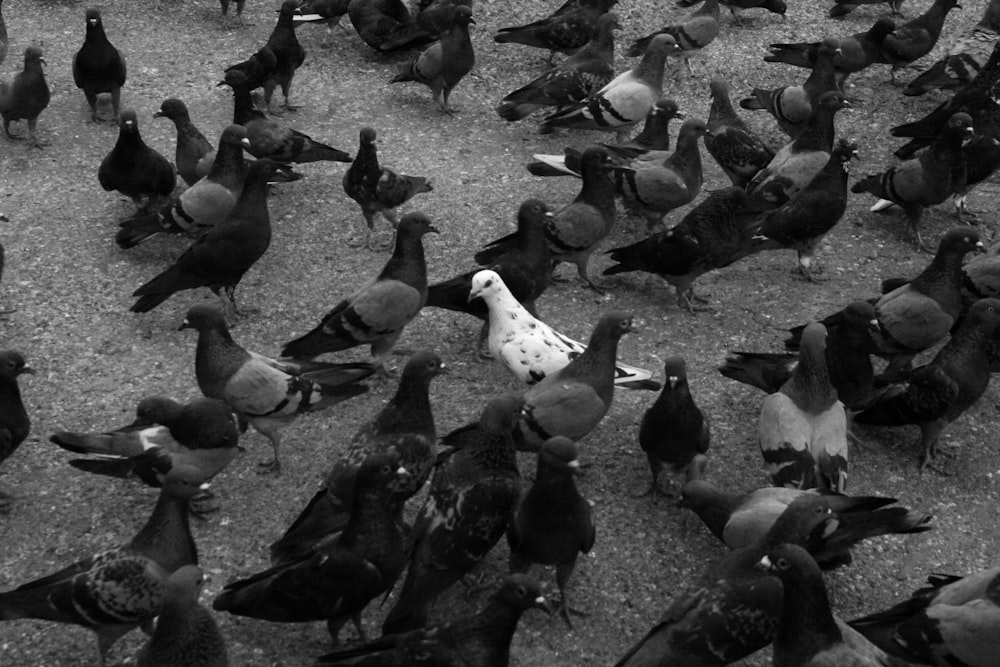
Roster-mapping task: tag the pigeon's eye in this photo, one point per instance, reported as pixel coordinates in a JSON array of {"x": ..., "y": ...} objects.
[
  {"x": 783, "y": 564},
  {"x": 521, "y": 592},
  {"x": 386, "y": 470}
]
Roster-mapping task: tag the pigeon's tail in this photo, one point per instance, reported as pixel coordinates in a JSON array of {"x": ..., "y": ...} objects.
[
  {"x": 853, "y": 527},
  {"x": 454, "y": 295},
  {"x": 148, "y": 302},
  {"x": 872, "y": 183},
  {"x": 316, "y": 152},
  {"x": 889, "y": 409},
  {"x": 796, "y": 55},
  {"x": 950, "y": 73},
  {"x": 406, "y": 36},
  {"x": 842, "y": 8},
  {"x": 117, "y": 468},
  {"x": 567, "y": 164},
  {"x": 514, "y": 111},
  {"x": 132, "y": 234},
  {"x": 640, "y": 46},
  {"x": 109, "y": 444},
  {"x": 314, "y": 343},
  {"x": 322, "y": 518}
]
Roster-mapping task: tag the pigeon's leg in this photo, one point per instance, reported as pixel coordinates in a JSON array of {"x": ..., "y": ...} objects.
[
  {"x": 116, "y": 99},
  {"x": 92, "y": 101},
  {"x": 6, "y": 501},
  {"x": 581, "y": 269},
  {"x": 354, "y": 241},
  {"x": 6, "y": 129},
  {"x": 286, "y": 89},
  {"x": 204, "y": 503},
  {"x": 272, "y": 467},
  {"x": 930, "y": 434},
  {"x": 806, "y": 270},
  {"x": 563, "y": 572},
  {"x": 390, "y": 215},
  {"x": 482, "y": 342},
  {"x": 441, "y": 97},
  {"x": 655, "y": 467},
  {"x": 913, "y": 223}
]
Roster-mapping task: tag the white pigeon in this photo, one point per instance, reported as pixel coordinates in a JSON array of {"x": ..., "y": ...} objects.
[{"x": 531, "y": 349}]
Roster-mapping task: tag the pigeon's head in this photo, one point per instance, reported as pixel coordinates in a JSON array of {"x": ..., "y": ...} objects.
[
  {"x": 171, "y": 108},
  {"x": 675, "y": 371},
  {"x": 882, "y": 27},
  {"x": 607, "y": 23},
  {"x": 234, "y": 78},
  {"x": 128, "y": 122},
  {"x": 718, "y": 88},
  {"x": 861, "y": 315},
  {"x": 463, "y": 16},
  {"x": 204, "y": 317},
  {"x": 501, "y": 413},
  {"x": 12, "y": 364},
  {"x": 153, "y": 410},
  {"x": 833, "y": 100},
  {"x": 960, "y": 124},
  {"x": 693, "y": 126},
  {"x": 667, "y": 109},
  {"x": 183, "y": 481},
  {"x": 33, "y": 54},
  {"x": 367, "y": 136},
  {"x": 611, "y": 326},
  {"x": 786, "y": 560},
  {"x": 414, "y": 226},
  {"x": 985, "y": 313},
  {"x": 560, "y": 454},
  {"x": 235, "y": 135},
  {"x": 522, "y": 592},
  {"x": 381, "y": 470},
  {"x": 846, "y": 150},
  {"x": 288, "y": 7},
  {"x": 961, "y": 240},
  {"x": 185, "y": 584},
  {"x": 661, "y": 46},
  {"x": 532, "y": 212},
  {"x": 423, "y": 366},
  {"x": 486, "y": 284},
  {"x": 93, "y": 20}
]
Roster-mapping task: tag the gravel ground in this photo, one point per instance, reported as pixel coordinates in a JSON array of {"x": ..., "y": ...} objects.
[{"x": 70, "y": 285}]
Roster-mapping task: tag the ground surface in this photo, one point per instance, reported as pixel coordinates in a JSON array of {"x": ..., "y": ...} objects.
[{"x": 70, "y": 285}]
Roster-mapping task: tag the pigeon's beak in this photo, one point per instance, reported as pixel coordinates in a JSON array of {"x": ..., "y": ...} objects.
[
  {"x": 184, "y": 325},
  {"x": 473, "y": 294},
  {"x": 42, "y": 60},
  {"x": 444, "y": 370},
  {"x": 91, "y": 21},
  {"x": 980, "y": 247},
  {"x": 245, "y": 143},
  {"x": 221, "y": 84},
  {"x": 204, "y": 486},
  {"x": 764, "y": 564},
  {"x": 27, "y": 369},
  {"x": 873, "y": 325},
  {"x": 672, "y": 381},
  {"x": 402, "y": 471},
  {"x": 831, "y": 525},
  {"x": 575, "y": 467},
  {"x": 543, "y": 604},
  {"x": 433, "y": 229},
  {"x": 679, "y": 115},
  {"x": 158, "y": 114}
]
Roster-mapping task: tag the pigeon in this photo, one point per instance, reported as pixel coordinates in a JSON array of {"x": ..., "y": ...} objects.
[
  {"x": 857, "y": 51},
  {"x": 914, "y": 39},
  {"x": 926, "y": 180},
  {"x": 577, "y": 228},
  {"x": 433, "y": 18},
  {"x": 376, "y": 314},
  {"x": 978, "y": 99},
  {"x": 735, "y": 7},
  {"x": 803, "y": 222},
  {"x": 848, "y": 358},
  {"x": 443, "y": 64},
  {"x": 940, "y": 391},
  {"x": 271, "y": 140},
  {"x": 530, "y": 349},
  {"x": 803, "y": 426},
  {"x": 982, "y": 160},
  {"x": 709, "y": 237},
  {"x": 376, "y": 20},
  {"x": 258, "y": 68},
  {"x": 809, "y": 633},
  {"x": 268, "y": 393},
  {"x": 482, "y": 639},
  {"x": 734, "y": 608},
  {"x": 193, "y": 149},
  {"x": 673, "y": 430},
  {"x": 966, "y": 56},
  {"x": 186, "y": 635},
  {"x": 653, "y": 188},
  {"x": 953, "y": 621},
  {"x": 378, "y": 189},
  {"x": 327, "y": 12},
  {"x": 625, "y": 100},
  {"x": 224, "y": 253},
  {"x": 164, "y": 435},
  {"x": 224, "y": 4},
  {"x": 98, "y": 67},
  {"x": 14, "y": 421},
  {"x": 693, "y": 32},
  {"x": 920, "y": 313},
  {"x": 793, "y": 106},
  {"x": 737, "y": 150},
  {"x": 573, "y": 400},
  {"x": 203, "y": 205},
  {"x": 740, "y": 519},
  {"x": 796, "y": 163},
  {"x": 566, "y": 30},
  {"x": 553, "y": 523},
  {"x": 26, "y": 96},
  {"x": 473, "y": 495},
  {"x": 404, "y": 426},
  {"x": 337, "y": 582},
  {"x": 116, "y": 590},
  {"x": 133, "y": 168},
  {"x": 571, "y": 81},
  {"x": 842, "y": 8},
  {"x": 526, "y": 270},
  {"x": 287, "y": 51}
]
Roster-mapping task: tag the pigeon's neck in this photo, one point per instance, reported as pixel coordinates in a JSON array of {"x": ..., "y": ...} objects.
[
  {"x": 371, "y": 529},
  {"x": 823, "y": 76},
  {"x": 505, "y": 310},
  {"x": 217, "y": 357},
  {"x": 598, "y": 190},
  {"x": 128, "y": 142},
  {"x": 807, "y": 624},
  {"x": 686, "y": 159},
  {"x": 713, "y": 505},
  {"x": 495, "y": 450},
  {"x": 972, "y": 338},
  {"x": 14, "y": 412},
  {"x": 229, "y": 168},
  {"x": 407, "y": 263},
  {"x": 819, "y": 133},
  {"x": 531, "y": 241},
  {"x": 553, "y": 490},
  {"x": 366, "y": 162},
  {"x": 489, "y": 633},
  {"x": 596, "y": 366},
  {"x": 809, "y": 387},
  {"x": 708, "y": 8},
  {"x": 252, "y": 204},
  {"x": 243, "y": 109},
  {"x": 722, "y": 110},
  {"x": 650, "y": 68},
  {"x": 942, "y": 279},
  {"x": 96, "y": 35},
  {"x": 34, "y": 67},
  {"x": 655, "y": 135},
  {"x": 409, "y": 410},
  {"x": 166, "y": 537}
]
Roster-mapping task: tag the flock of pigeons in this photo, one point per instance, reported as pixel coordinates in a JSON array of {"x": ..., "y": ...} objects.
[{"x": 352, "y": 542}]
